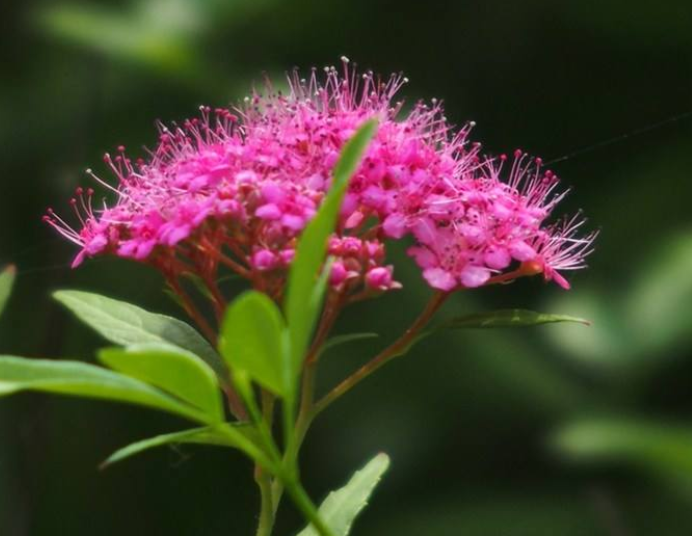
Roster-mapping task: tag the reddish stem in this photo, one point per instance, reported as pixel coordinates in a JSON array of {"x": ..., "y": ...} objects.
[
  {"x": 192, "y": 310},
  {"x": 386, "y": 355}
]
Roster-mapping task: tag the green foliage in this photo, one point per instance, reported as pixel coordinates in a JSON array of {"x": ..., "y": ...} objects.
[
  {"x": 252, "y": 341},
  {"x": 664, "y": 449},
  {"x": 304, "y": 293},
  {"x": 502, "y": 318},
  {"x": 125, "y": 324},
  {"x": 174, "y": 370},
  {"x": 160, "y": 40},
  {"x": 659, "y": 307},
  {"x": 239, "y": 436},
  {"x": 341, "y": 507},
  {"x": 492, "y": 509},
  {"x": 509, "y": 318},
  {"x": 80, "y": 379},
  {"x": 6, "y": 283},
  {"x": 165, "y": 38},
  {"x": 643, "y": 328}
]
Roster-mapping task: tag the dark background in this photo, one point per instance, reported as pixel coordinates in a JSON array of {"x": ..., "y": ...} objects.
[{"x": 557, "y": 430}]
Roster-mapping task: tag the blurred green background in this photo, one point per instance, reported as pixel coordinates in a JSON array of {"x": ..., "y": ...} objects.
[{"x": 558, "y": 430}]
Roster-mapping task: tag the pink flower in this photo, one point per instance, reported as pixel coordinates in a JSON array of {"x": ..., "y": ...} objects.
[
  {"x": 263, "y": 260},
  {"x": 380, "y": 278},
  {"x": 493, "y": 228},
  {"x": 338, "y": 274},
  {"x": 236, "y": 189},
  {"x": 560, "y": 249},
  {"x": 440, "y": 279}
]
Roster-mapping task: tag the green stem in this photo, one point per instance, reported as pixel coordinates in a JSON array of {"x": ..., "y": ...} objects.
[
  {"x": 305, "y": 412},
  {"x": 294, "y": 440},
  {"x": 307, "y": 508},
  {"x": 266, "y": 518},
  {"x": 309, "y": 410},
  {"x": 395, "y": 349},
  {"x": 277, "y": 493},
  {"x": 302, "y": 424}
]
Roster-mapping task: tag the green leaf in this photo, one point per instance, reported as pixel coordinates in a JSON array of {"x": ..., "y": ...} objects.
[
  {"x": 252, "y": 341},
  {"x": 239, "y": 436},
  {"x": 125, "y": 324},
  {"x": 304, "y": 293},
  {"x": 338, "y": 340},
  {"x": 509, "y": 318},
  {"x": 181, "y": 373},
  {"x": 6, "y": 282},
  {"x": 664, "y": 448},
  {"x": 164, "y": 43},
  {"x": 341, "y": 507},
  {"x": 80, "y": 379}
]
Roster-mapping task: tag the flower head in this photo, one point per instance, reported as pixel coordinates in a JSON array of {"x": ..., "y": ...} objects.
[{"x": 235, "y": 188}]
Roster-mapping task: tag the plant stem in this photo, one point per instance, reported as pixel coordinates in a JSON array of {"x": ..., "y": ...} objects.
[
  {"x": 307, "y": 508},
  {"x": 218, "y": 301},
  {"x": 192, "y": 310},
  {"x": 307, "y": 394},
  {"x": 309, "y": 410},
  {"x": 266, "y": 517},
  {"x": 331, "y": 313},
  {"x": 235, "y": 404},
  {"x": 271, "y": 492},
  {"x": 392, "y": 351}
]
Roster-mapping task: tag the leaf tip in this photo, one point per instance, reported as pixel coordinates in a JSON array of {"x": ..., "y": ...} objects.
[
  {"x": 384, "y": 458},
  {"x": 59, "y": 295},
  {"x": 106, "y": 464}
]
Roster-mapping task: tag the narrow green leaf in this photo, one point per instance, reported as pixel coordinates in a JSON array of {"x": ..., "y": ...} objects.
[
  {"x": 6, "y": 282},
  {"x": 502, "y": 318},
  {"x": 341, "y": 507},
  {"x": 304, "y": 293},
  {"x": 509, "y": 318},
  {"x": 177, "y": 371},
  {"x": 240, "y": 436},
  {"x": 125, "y": 324},
  {"x": 251, "y": 341},
  {"x": 344, "y": 339},
  {"x": 80, "y": 379}
]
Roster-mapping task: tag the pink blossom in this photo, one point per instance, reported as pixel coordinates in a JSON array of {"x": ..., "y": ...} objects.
[
  {"x": 264, "y": 259},
  {"x": 380, "y": 278},
  {"x": 235, "y": 188},
  {"x": 493, "y": 228}
]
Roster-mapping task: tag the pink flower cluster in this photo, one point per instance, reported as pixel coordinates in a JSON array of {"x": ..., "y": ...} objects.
[{"x": 236, "y": 188}]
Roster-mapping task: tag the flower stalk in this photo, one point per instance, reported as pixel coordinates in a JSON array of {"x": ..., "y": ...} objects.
[{"x": 395, "y": 349}]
